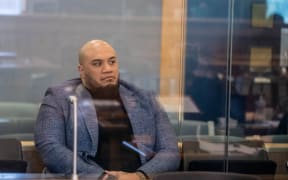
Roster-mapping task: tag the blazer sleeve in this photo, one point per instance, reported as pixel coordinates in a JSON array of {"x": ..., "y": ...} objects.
[
  {"x": 50, "y": 138},
  {"x": 167, "y": 156}
]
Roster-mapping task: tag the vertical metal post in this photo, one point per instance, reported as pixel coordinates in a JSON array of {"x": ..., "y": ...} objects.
[
  {"x": 73, "y": 100},
  {"x": 228, "y": 79}
]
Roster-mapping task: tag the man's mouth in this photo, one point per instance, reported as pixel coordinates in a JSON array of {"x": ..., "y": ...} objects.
[{"x": 108, "y": 79}]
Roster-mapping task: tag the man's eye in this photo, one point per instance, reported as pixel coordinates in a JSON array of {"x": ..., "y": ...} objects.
[
  {"x": 97, "y": 64},
  {"x": 112, "y": 62}
]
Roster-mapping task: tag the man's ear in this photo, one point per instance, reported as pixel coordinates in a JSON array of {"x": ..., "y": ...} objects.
[{"x": 80, "y": 68}]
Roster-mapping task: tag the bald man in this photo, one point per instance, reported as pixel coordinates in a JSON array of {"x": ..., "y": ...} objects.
[{"x": 123, "y": 133}]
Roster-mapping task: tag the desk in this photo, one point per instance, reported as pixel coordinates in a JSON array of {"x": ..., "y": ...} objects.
[
  {"x": 30, "y": 154},
  {"x": 278, "y": 152},
  {"x": 260, "y": 128},
  {"x": 191, "y": 150},
  {"x": 16, "y": 176},
  {"x": 276, "y": 147}
]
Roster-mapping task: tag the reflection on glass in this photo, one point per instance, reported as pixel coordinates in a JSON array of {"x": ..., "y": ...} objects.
[
  {"x": 12, "y": 7},
  {"x": 277, "y": 7},
  {"x": 39, "y": 42},
  {"x": 39, "y": 46}
]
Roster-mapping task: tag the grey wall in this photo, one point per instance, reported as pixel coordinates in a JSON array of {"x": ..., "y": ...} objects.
[{"x": 45, "y": 40}]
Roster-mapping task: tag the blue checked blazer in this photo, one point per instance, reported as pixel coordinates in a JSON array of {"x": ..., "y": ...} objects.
[{"x": 54, "y": 129}]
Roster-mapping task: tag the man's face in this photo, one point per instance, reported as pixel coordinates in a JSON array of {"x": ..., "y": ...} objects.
[{"x": 99, "y": 66}]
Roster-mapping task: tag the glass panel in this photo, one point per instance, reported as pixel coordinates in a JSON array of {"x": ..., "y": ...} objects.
[
  {"x": 204, "y": 123},
  {"x": 205, "y": 65},
  {"x": 259, "y": 87},
  {"x": 257, "y": 103},
  {"x": 39, "y": 43},
  {"x": 184, "y": 58}
]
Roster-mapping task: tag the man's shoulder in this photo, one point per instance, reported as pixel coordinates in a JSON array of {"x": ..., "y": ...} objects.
[
  {"x": 66, "y": 86},
  {"x": 131, "y": 89}
]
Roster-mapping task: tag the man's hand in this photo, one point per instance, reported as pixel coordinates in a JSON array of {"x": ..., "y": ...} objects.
[{"x": 120, "y": 175}]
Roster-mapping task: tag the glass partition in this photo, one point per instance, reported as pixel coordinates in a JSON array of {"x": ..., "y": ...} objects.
[
  {"x": 40, "y": 40},
  {"x": 259, "y": 86},
  {"x": 218, "y": 68},
  {"x": 235, "y": 73}
]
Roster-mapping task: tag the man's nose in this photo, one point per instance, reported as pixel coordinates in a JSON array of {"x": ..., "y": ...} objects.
[{"x": 107, "y": 67}]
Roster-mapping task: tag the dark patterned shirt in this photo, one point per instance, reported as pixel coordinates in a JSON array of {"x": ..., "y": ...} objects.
[{"x": 114, "y": 127}]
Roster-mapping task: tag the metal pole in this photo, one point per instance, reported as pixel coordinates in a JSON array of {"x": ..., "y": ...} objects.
[
  {"x": 73, "y": 100},
  {"x": 228, "y": 79}
]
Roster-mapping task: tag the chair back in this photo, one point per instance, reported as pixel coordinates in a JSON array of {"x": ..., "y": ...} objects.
[
  {"x": 203, "y": 176},
  {"x": 11, "y": 159},
  {"x": 212, "y": 148},
  {"x": 11, "y": 149},
  {"x": 13, "y": 166}
]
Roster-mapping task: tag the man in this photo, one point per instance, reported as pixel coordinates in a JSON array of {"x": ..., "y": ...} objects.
[{"x": 113, "y": 115}]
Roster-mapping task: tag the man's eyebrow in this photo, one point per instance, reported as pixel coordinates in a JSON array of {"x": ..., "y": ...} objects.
[
  {"x": 96, "y": 60},
  {"x": 100, "y": 60},
  {"x": 113, "y": 57}
]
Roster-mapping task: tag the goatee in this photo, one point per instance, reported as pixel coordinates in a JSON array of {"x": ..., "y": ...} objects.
[{"x": 108, "y": 92}]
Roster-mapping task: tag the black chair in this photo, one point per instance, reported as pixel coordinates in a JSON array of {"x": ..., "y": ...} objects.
[
  {"x": 13, "y": 166},
  {"x": 184, "y": 175},
  {"x": 11, "y": 158},
  {"x": 253, "y": 167}
]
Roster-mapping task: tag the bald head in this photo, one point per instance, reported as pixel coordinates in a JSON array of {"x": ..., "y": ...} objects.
[
  {"x": 93, "y": 47},
  {"x": 98, "y": 64}
]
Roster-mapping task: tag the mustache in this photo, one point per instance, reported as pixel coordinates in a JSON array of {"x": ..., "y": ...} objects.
[{"x": 108, "y": 77}]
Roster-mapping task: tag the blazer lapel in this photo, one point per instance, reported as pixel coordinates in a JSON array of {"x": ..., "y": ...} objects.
[
  {"x": 136, "y": 113},
  {"x": 88, "y": 113},
  {"x": 131, "y": 106}
]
